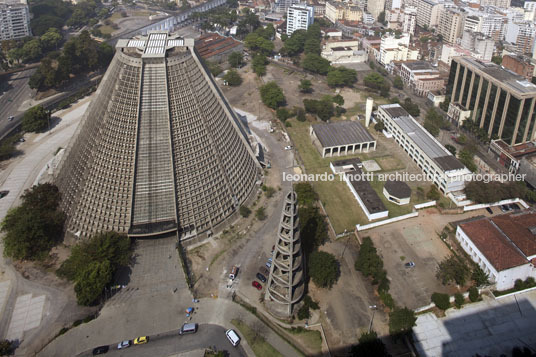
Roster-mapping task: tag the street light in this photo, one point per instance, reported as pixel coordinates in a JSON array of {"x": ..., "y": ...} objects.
[{"x": 373, "y": 308}]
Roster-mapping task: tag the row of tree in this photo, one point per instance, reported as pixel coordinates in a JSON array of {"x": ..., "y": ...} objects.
[{"x": 80, "y": 54}]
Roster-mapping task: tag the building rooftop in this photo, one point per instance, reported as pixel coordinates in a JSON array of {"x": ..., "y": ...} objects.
[
  {"x": 516, "y": 151},
  {"x": 504, "y": 77},
  {"x": 504, "y": 240},
  {"x": 398, "y": 189},
  {"x": 356, "y": 162},
  {"x": 341, "y": 133},
  {"x": 368, "y": 196},
  {"x": 422, "y": 138},
  {"x": 212, "y": 44},
  {"x": 419, "y": 66}
]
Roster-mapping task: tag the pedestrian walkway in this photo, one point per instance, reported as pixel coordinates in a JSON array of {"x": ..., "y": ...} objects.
[{"x": 26, "y": 315}]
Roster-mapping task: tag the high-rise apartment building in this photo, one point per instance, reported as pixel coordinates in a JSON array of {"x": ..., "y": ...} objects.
[
  {"x": 338, "y": 11},
  {"x": 299, "y": 17},
  {"x": 428, "y": 12},
  {"x": 501, "y": 102},
  {"x": 450, "y": 25},
  {"x": 409, "y": 20},
  {"x": 374, "y": 7},
  {"x": 504, "y": 4},
  {"x": 281, "y": 6},
  {"x": 14, "y": 20}
]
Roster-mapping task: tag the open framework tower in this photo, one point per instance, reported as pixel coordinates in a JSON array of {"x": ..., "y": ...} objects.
[
  {"x": 159, "y": 148},
  {"x": 285, "y": 283}
]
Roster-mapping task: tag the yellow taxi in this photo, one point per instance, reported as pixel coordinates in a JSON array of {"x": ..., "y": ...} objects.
[{"x": 141, "y": 340}]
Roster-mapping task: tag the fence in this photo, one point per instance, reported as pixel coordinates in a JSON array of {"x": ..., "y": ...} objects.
[
  {"x": 425, "y": 205},
  {"x": 503, "y": 202},
  {"x": 359, "y": 227}
]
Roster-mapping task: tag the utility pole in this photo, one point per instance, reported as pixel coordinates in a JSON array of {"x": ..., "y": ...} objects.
[{"x": 373, "y": 308}]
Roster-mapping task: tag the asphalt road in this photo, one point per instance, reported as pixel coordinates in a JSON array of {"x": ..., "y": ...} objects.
[
  {"x": 207, "y": 336},
  {"x": 13, "y": 94}
]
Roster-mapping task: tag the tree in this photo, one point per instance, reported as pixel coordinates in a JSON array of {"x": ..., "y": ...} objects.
[
  {"x": 397, "y": 83},
  {"x": 452, "y": 269},
  {"x": 259, "y": 214},
  {"x": 313, "y": 229},
  {"x": 379, "y": 126},
  {"x": 374, "y": 80},
  {"x": 381, "y": 18},
  {"x": 272, "y": 96},
  {"x": 451, "y": 148},
  {"x": 341, "y": 77},
  {"x": 431, "y": 128},
  {"x": 92, "y": 282},
  {"x": 497, "y": 60},
  {"x": 244, "y": 211},
  {"x": 6, "y": 348},
  {"x": 459, "y": 300},
  {"x": 303, "y": 313},
  {"x": 32, "y": 50},
  {"x": 466, "y": 158},
  {"x": 259, "y": 65},
  {"x": 214, "y": 68},
  {"x": 283, "y": 114},
  {"x": 369, "y": 345},
  {"x": 307, "y": 196},
  {"x": 35, "y": 226},
  {"x": 369, "y": 263},
  {"x": 433, "y": 193},
  {"x": 473, "y": 294},
  {"x": 295, "y": 43},
  {"x": 444, "y": 105},
  {"x": 442, "y": 301},
  {"x": 106, "y": 246},
  {"x": 338, "y": 99},
  {"x": 401, "y": 320},
  {"x": 35, "y": 119},
  {"x": 316, "y": 64},
  {"x": 323, "y": 269},
  {"x": 322, "y": 108},
  {"x": 300, "y": 114},
  {"x": 305, "y": 86},
  {"x": 232, "y": 78},
  {"x": 51, "y": 39},
  {"x": 479, "y": 276},
  {"x": 411, "y": 108},
  {"x": 236, "y": 59}
]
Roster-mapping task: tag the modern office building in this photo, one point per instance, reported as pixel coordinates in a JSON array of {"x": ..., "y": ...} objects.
[
  {"x": 437, "y": 162},
  {"x": 14, "y": 20},
  {"x": 286, "y": 285},
  {"x": 159, "y": 149},
  {"x": 299, "y": 17},
  {"x": 501, "y": 102}
]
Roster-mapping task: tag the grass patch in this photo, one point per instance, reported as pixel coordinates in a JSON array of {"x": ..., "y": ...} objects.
[
  {"x": 394, "y": 209},
  {"x": 310, "y": 338},
  {"x": 141, "y": 13},
  {"x": 105, "y": 29},
  {"x": 258, "y": 344}
]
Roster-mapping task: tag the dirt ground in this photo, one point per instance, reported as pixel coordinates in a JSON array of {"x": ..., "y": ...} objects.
[{"x": 416, "y": 240}]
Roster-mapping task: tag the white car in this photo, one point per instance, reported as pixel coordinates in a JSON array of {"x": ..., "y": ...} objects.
[
  {"x": 10, "y": 118},
  {"x": 123, "y": 344},
  {"x": 288, "y": 147}
]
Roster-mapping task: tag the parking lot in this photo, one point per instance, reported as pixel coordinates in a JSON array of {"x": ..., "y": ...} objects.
[{"x": 415, "y": 240}]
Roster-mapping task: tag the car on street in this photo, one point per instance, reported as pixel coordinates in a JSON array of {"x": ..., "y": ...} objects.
[
  {"x": 409, "y": 264},
  {"x": 124, "y": 344},
  {"x": 3, "y": 193},
  {"x": 100, "y": 350},
  {"x": 261, "y": 277},
  {"x": 289, "y": 147},
  {"x": 141, "y": 340},
  {"x": 21, "y": 140},
  {"x": 490, "y": 211},
  {"x": 256, "y": 285},
  {"x": 10, "y": 118}
]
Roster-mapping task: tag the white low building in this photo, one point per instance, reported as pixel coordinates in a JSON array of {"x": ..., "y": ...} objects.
[
  {"x": 503, "y": 246},
  {"x": 437, "y": 163},
  {"x": 397, "y": 192},
  {"x": 341, "y": 138}
]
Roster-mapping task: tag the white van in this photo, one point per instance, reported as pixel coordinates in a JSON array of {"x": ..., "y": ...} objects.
[
  {"x": 233, "y": 337},
  {"x": 188, "y": 328}
]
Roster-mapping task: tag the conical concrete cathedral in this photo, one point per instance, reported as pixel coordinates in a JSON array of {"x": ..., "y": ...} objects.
[
  {"x": 285, "y": 284},
  {"x": 159, "y": 148}
]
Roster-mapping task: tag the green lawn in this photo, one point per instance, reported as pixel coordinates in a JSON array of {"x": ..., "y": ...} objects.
[
  {"x": 258, "y": 344},
  {"x": 310, "y": 338},
  {"x": 105, "y": 29}
]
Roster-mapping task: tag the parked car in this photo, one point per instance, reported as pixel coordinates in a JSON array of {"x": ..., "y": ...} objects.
[
  {"x": 141, "y": 340},
  {"x": 100, "y": 350},
  {"x": 490, "y": 211},
  {"x": 261, "y": 277},
  {"x": 10, "y": 118},
  {"x": 505, "y": 208},
  {"x": 289, "y": 147},
  {"x": 515, "y": 207},
  {"x": 233, "y": 337},
  {"x": 124, "y": 344},
  {"x": 264, "y": 271},
  {"x": 409, "y": 264},
  {"x": 3, "y": 193},
  {"x": 256, "y": 285},
  {"x": 268, "y": 264}
]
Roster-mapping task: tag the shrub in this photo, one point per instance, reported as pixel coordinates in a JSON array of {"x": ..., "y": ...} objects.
[
  {"x": 387, "y": 299},
  {"x": 244, "y": 211},
  {"x": 458, "y": 300},
  {"x": 310, "y": 303},
  {"x": 303, "y": 312},
  {"x": 323, "y": 269},
  {"x": 401, "y": 320},
  {"x": 452, "y": 269},
  {"x": 479, "y": 276},
  {"x": 440, "y": 300},
  {"x": 473, "y": 294},
  {"x": 260, "y": 214}
]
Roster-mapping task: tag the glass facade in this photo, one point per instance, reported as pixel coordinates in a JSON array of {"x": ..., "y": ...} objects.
[
  {"x": 452, "y": 76},
  {"x": 474, "y": 92},
  {"x": 481, "y": 101},
  {"x": 489, "y": 109},
  {"x": 466, "y": 86},
  {"x": 523, "y": 120},
  {"x": 510, "y": 119},
  {"x": 498, "y": 114},
  {"x": 459, "y": 85},
  {"x": 531, "y": 126}
]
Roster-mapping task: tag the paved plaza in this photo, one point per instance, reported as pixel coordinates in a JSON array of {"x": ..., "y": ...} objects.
[
  {"x": 26, "y": 315},
  {"x": 491, "y": 327}
]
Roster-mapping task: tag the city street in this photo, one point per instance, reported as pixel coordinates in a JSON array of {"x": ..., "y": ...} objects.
[
  {"x": 207, "y": 336},
  {"x": 14, "y": 93}
]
